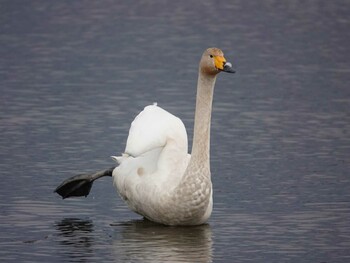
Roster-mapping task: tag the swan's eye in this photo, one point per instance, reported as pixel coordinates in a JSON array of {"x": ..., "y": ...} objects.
[{"x": 211, "y": 56}]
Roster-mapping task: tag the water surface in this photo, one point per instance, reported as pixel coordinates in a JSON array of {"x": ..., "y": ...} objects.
[{"x": 74, "y": 74}]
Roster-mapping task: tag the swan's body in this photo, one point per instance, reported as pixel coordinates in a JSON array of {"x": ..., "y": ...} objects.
[
  {"x": 149, "y": 175},
  {"x": 156, "y": 176}
]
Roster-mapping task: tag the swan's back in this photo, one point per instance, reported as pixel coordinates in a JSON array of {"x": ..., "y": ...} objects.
[{"x": 153, "y": 128}]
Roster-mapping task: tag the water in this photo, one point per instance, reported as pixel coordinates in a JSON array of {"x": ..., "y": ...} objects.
[{"x": 74, "y": 74}]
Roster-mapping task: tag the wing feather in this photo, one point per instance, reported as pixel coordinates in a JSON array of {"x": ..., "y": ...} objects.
[{"x": 152, "y": 128}]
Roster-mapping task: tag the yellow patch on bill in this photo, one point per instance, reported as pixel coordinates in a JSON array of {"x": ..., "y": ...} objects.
[{"x": 219, "y": 62}]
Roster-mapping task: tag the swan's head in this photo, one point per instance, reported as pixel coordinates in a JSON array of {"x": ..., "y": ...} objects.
[{"x": 213, "y": 62}]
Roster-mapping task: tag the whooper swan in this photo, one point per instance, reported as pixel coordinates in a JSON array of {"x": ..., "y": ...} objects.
[{"x": 156, "y": 176}]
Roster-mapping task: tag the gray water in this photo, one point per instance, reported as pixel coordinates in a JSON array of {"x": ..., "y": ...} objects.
[{"x": 73, "y": 75}]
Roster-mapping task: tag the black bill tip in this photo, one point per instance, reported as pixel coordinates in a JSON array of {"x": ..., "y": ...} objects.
[{"x": 228, "y": 68}]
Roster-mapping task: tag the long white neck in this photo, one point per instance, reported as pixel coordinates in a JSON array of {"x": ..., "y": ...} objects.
[
  {"x": 201, "y": 134},
  {"x": 196, "y": 180}
]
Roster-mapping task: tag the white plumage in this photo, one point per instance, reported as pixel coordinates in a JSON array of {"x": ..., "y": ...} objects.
[
  {"x": 154, "y": 161},
  {"x": 156, "y": 176},
  {"x": 152, "y": 128}
]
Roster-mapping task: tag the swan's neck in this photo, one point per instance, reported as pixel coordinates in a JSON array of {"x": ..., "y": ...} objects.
[
  {"x": 201, "y": 134},
  {"x": 196, "y": 180}
]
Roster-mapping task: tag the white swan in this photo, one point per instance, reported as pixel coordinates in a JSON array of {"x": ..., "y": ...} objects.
[{"x": 156, "y": 176}]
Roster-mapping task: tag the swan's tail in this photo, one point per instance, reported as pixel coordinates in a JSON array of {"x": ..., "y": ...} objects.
[{"x": 80, "y": 185}]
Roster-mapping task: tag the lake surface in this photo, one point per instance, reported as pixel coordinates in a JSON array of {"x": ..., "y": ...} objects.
[{"x": 73, "y": 75}]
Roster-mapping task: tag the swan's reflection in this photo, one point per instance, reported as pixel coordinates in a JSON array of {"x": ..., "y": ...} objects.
[
  {"x": 76, "y": 235},
  {"x": 136, "y": 241},
  {"x": 145, "y": 241}
]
